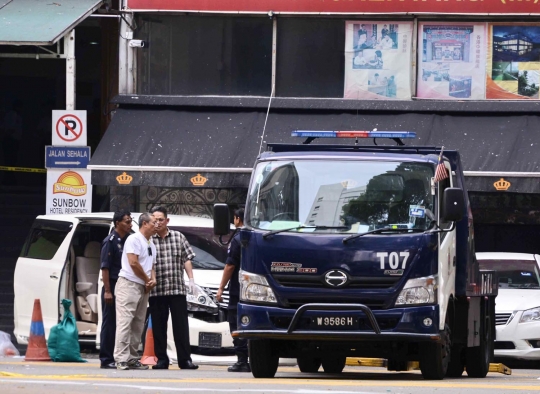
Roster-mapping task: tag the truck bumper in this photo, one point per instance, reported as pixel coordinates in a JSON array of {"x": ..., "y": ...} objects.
[{"x": 407, "y": 324}]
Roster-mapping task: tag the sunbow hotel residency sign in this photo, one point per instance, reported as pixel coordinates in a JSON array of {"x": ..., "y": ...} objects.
[{"x": 69, "y": 188}]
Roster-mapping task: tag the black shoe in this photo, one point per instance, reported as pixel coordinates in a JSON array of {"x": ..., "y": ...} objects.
[
  {"x": 239, "y": 367},
  {"x": 188, "y": 365},
  {"x": 108, "y": 366},
  {"x": 160, "y": 366}
]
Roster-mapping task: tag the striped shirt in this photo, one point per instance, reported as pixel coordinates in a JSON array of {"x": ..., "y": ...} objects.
[{"x": 173, "y": 251}]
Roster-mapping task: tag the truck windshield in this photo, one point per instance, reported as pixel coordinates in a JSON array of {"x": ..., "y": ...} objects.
[{"x": 354, "y": 196}]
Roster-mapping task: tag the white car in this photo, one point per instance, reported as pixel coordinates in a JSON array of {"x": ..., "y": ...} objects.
[
  {"x": 517, "y": 307},
  {"x": 60, "y": 259}
]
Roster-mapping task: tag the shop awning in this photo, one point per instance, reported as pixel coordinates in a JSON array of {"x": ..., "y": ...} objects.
[
  {"x": 40, "y": 22},
  {"x": 168, "y": 146}
]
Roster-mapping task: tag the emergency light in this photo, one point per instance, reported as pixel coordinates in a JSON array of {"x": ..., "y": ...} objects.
[{"x": 353, "y": 134}]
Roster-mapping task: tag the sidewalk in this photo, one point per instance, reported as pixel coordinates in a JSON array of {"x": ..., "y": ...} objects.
[{"x": 197, "y": 359}]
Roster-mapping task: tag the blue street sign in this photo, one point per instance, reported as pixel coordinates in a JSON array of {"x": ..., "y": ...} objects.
[{"x": 67, "y": 156}]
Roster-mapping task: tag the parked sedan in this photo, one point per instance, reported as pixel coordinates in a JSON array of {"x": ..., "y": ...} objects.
[{"x": 518, "y": 303}]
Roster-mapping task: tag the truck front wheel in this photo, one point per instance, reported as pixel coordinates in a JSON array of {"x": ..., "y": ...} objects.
[
  {"x": 263, "y": 358},
  {"x": 334, "y": 363},
  {"x": 435, "y": 357}
]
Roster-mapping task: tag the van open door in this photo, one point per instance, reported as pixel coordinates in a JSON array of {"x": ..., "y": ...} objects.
[{"x": 38, "y": 274}]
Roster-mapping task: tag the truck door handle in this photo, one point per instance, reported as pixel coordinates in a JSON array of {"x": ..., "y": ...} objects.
[{"x": 53, "y": 276}]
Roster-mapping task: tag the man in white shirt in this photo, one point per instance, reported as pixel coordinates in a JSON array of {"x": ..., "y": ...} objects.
[{"x": 135, "y": 280}]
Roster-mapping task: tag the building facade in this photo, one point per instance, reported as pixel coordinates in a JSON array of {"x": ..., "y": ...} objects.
[{"x": 203, "y": 87}]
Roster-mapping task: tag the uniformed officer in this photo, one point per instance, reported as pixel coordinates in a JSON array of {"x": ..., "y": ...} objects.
[
  {"x": 230, "y": 275},
  {"x": 111, "y": 263}
]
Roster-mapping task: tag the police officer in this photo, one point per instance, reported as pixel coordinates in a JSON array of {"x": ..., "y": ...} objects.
[
  {"x": 230, "y": 275},
  {"x": 111, "y": 263}
]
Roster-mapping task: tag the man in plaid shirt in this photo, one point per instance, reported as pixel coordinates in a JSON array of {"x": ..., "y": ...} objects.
[{"x": 174, "y": 255}]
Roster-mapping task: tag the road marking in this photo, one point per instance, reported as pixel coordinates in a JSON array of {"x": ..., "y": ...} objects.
[
  {"x": 324, "y": 381},
  {"x": 189, "y": 389}
]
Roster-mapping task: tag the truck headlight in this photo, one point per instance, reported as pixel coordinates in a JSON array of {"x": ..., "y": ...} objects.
[
  {"x": 419, "y": 291},
  {"x": 530, "y": 315},
  {"x": 255, "y": 287},
  {"x": 199, "y": 300}
]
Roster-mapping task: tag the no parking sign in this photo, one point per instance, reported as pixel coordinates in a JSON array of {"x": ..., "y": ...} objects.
[{"x": 69, "y": 128}]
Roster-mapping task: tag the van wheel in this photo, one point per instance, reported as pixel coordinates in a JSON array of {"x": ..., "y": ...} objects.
[
  {"x": 334, "y": 363},
  {"x": 435, "y": 357},
  {"x": 263, "y": 358},
  {"x": 479, "y": 357},
  {"x": 308, "y": 364}
]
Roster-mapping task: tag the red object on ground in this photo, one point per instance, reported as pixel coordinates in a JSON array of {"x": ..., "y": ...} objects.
[{"x": 37, "y": 346}]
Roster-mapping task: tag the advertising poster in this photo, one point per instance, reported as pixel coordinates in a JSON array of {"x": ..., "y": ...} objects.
[
  {"x": 513, "y": 61},
  {"x": 451, "y": 60},
  {"x": 68, "y": 191},
  {"x": 378, "y": 60}
]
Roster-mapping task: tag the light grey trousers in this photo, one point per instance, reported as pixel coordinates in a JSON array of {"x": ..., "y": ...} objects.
[{"x": 131, "y": 305}]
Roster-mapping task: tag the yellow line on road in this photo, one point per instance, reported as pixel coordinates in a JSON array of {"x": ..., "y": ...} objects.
[{"x": 326, "y": 381}]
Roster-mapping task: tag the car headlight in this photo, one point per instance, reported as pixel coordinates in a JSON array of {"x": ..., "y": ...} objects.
[
  {"x": 530, "y": 315},
  {"x": 255, "y": 287},
  {"x": 199, "y": 300},
  {"x": 419, "y": 291}
]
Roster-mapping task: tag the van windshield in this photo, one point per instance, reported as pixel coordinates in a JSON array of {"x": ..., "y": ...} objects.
[{"x": 355, "y": 196}]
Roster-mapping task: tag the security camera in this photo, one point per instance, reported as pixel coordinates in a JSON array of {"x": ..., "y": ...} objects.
[{"x": 137, "y": 43}]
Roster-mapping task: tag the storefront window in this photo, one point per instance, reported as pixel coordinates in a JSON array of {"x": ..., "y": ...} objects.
[
  {"x": 310, "y": 57},
  {"x": 204, "y": 55}
]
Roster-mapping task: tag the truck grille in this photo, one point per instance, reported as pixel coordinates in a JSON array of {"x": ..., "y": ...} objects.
[
  {"x": 298, "y": 302},
  {"x": 502, "y": 318},
  {"x": 314, "y": 282}
]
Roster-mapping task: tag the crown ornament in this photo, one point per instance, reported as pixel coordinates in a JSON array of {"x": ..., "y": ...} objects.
[
  {"x": 198, "y": 180},
  {"x": 502, "y": 184},
  {"x": 124, "y": 179}
]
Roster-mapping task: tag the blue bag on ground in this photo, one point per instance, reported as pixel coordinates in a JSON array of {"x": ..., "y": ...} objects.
[{"x": 63, "y": 343}]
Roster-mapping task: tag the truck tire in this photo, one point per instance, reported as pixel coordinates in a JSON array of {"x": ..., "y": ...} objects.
[
  {"x": 263, "y": 358},
  {"x": 334, "y": 363},
  {"x": 479, "y": 357},
  {"x": 457, "y": 362},
  {"x": 435, "y": 357},
  {"x": 308, "y": 364}
]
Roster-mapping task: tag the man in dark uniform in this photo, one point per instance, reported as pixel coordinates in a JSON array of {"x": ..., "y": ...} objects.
[
  {"x": 230, "y": 275},
  {"x": 111, "y": 263}
]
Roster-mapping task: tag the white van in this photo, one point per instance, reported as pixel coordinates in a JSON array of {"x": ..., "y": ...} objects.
[{"x": 60, "y": 259}]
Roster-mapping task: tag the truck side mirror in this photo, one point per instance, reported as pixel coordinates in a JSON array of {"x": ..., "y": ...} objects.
[
  {"x": 453, "y": 205},
  {"x": 222, "y": 224}
]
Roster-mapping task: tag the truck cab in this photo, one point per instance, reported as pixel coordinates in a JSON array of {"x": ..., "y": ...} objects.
[{"x": 362, "y": 251}]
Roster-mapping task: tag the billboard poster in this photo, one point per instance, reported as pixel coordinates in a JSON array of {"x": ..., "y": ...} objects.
[
  {"x": 378, "y": 60},
  {"x": 68, "y": 191},
  {"x": 513, "y": 67},
  {"x": 451, "y": 60}
]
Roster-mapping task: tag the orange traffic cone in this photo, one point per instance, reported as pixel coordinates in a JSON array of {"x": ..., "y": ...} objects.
[
  {"x": 37, "y": 346},
  {"x": 149, "y": 355}
]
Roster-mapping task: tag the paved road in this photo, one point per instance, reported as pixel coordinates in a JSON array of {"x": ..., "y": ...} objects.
[{"x": 47, "y": 377}]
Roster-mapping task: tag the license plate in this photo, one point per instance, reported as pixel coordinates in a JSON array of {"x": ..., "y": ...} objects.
[
  {"x": 340, "y": 322},
  {"x": 209, "y": 340}
]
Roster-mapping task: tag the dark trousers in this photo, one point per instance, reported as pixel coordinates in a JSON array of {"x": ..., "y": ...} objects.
[
  {"x": 159, "y": 310},
  {"x": 240, "y": 344},
  {"x": 108, "y": 327}
]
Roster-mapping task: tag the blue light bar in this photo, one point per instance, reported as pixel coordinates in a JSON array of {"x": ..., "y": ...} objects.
[{"x": 353, "y": 134}]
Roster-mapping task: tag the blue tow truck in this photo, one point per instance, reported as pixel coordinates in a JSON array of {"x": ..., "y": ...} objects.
[{"x": 362, "y": 251}]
